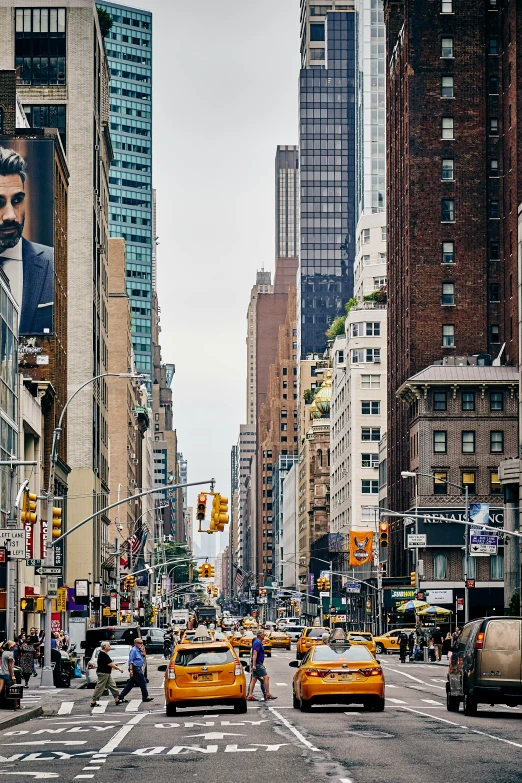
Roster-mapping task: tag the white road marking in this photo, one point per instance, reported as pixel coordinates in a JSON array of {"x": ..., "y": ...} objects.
[
  {"x": 411, "y": 677},
  {"x": 66, "y": 708},
  {"x": 122, "y": 733},
  {"x": 474, "y": 731},
  {"x": 133, "y": 705},
  {"x": 294, "y": 731},
  {"x": 352, "y": 713},
  {"x": 101, "y": 709},
  {"x": 396, "y": 701},
  {"x": 430, "y": 701},
  {"x": 282, "y": 684}
]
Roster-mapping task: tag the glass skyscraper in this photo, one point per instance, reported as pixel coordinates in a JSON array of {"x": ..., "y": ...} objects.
[
  {"x": 327, "y": 171},
  {"x": 129, "y": 52}
]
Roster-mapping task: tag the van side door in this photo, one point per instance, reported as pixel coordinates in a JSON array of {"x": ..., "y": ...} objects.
[{"x": 458, "y": 662}]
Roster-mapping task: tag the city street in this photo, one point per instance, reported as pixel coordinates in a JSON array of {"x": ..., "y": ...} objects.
[{"x": 415, "y": 739}]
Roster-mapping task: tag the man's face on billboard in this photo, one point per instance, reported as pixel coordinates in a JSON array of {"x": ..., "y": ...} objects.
[{"x": 12, "y": 210}]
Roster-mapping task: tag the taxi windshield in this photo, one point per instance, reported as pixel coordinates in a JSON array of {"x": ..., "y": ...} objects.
[
  {"x": 367, "y": 637},
  {"x": 315, "y": 633},
  {"x": 204, "y": 657},
  {"x": 337, "y": 654}
]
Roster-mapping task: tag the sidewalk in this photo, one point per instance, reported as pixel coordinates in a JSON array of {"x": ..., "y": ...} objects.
[{"x": 47, "y": 706}]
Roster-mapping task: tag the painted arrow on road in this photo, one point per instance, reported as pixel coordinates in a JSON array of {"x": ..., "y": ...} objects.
[
  {"x": 215, "y": 735},
  {"x": 45, "y": 742}
]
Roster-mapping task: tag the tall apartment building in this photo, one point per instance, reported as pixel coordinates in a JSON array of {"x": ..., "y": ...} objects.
[
  {"x": 246, "y": 449},
  {"x": 453, "y": 146},
  {"x": 282, "y": 468},
  {"x": 59, "y": 53},
  {"x": 327, "y": 168},
  {"x": 262, "y": 286},
  {"x": 287, "y": 201},
  {"x": 358, "y": 418},
  {"x": 129, "y": 53}
]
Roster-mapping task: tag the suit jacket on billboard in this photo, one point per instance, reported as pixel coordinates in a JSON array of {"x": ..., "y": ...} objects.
[{"x": 38, "y": 293}]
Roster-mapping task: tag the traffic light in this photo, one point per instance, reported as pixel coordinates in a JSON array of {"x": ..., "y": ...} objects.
[
  {"x": 210, "y": 571},
  {"x": 413, "y": 578},
  {"x": 219, "y": 515},
  {"x": 130, "y": 581},
  {"x": 201, "y": 507},
  {"x": 40, "y": 604},
  {"x": 158, "y": 590},
  {"x": 56, "y": 523},
  {"x": 326, "y": 583},
  {"x": 320, "y": 583},
  {"x": 384, "y": 529},
  {"x": 201, "y": 571},
  {"x": 28, "y": 513},
  {"x": 215, "y": 591},
  {"x": 209, "y": 589}
]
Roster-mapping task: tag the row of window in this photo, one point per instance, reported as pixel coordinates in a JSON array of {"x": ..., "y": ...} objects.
[
  {"x": 440, "y": 401},
  {"x": 448, "y": 335},
  {"x": 468, "y": 441},
  {"x": 441, "y": 567},
  {"x": 468, "y": 478}
]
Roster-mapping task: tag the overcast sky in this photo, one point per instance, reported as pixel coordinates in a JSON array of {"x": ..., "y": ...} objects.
[{"x": 225, "y": 95}]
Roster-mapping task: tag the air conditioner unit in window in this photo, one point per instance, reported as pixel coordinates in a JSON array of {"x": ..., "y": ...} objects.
[{"x": 377, "y": 360}]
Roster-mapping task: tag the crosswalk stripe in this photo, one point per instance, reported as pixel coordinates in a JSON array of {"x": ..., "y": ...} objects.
[
  {"x": 389, "y": 685},
  {"x": 133, "y": 705},
  {"x": 101, "y": 709},
  {"x": 431, "y": 701},
  {"x": 66, "y": 708},
  {"x": 282, "y": 684},
  {"x": 396, "y": 701}
]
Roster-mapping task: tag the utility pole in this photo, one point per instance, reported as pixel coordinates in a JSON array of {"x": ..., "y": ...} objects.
[{"x": 466, "y": 555}]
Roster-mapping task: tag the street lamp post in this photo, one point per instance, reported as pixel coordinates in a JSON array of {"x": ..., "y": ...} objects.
[
  {"x": 47, "y": 674},
  {"x": 407, "y": 474}
]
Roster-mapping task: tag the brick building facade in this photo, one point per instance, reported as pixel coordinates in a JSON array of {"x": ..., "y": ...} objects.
[{"x": 454, "y": 183}]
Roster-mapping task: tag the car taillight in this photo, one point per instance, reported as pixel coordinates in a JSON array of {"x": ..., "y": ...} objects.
[
  {"x": 172, "y": 672},
  {"x": 479, "y": 644},
  {"x": 375, "y": 671},
  {"x": 238, "y": 668},
  {"x": 316, "y": 672}
]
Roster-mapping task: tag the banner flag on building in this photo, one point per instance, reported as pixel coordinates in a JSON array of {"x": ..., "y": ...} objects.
[{"x": 361, "y": 547}]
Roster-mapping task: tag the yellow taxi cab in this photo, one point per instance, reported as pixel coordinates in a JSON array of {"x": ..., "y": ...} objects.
[
  {"x": 189, "y": 636},
  {"x": 309, "y": 638},
  {"x": 389, "y": 642},
  {"x": 280, "y": 639},
  {"x": 338, "y": 673},
  {"x": 204, "y": 673},
  {"x": 244, "y": 645},
  {"x": 249, "y": 622},
  {"x": 364, "y": 638}
]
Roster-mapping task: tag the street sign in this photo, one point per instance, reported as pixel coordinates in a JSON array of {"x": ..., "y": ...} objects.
[
  {"x": 416, "y": 540},
  {"x": 3, "y": 556},
  {"x": 52, "y": 586},
  {"x": 48, "y": 571},
  {"x": 35, "y": 563},
  {"x": 460, "y": 604},
  {"x": 354, "y": 587},
  {"x": 470, "y": 583},
  {"x": 482, "y": 545},
  {"x": 324, "y": 594},
  {"x": 16, "y": 545}
]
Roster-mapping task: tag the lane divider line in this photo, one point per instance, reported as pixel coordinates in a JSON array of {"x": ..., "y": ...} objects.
[
  {"x": 474, "y": 731},
  {"x": 120, "y": 735},
  {"x": 294, "y": 731}
]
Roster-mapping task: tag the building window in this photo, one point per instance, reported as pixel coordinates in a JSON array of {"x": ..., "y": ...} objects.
[
  {"x": 373, "y": 329},
  {"x": 446, "y": 6},
  {"x": 448, "y": 252},
  {"x": 440, "y": 401},
  {"x": 448, "y": 336},
  {"x": 494, "y": 251},
  {"x": 440, "y": 441},
  {"x": 471, "y": 573},
  {"x": 316, "y": 31},
  {"x": 493, "y": 168},
  {"x": 448, "y": 294},
  {"x": 371, "y": 433},
  {"x": 378, "y": 282},
  {"x": 440, "y": 566},
  {"x": 448, "y": 168},
  {"x": 468, "y": 401},
  {"x": 284, "y": 414},
  {"x": 317, "y": 54},
  {"x": 495, "y": 487},
  {"x": 493, "y": 47},
  {"x": 383, "y": 233},
  {"x": 447, "y": 213},
  {"x": 446, "y": 47},
  {"x": 369, "y": 486},
  {"x": 370, "y": 381},
  {"x": 494, "y": 292},
  {"x": 495, "y": 333},
  {"x": 497, "y": 566},
  {"x": 496, "y": 401},
  {"x": 40, "y": 45},
  {"x": 366, "y": 355},
  {"x": 468, "y": 442},
  {"x": 365, "y": 236},
  {"x": 496, "y": 441},
  {"x": 440, "y": 486},
  {"x": 469, "y": 480},
  {"x": 493, "y": 84},
  {"x": 48, "y": 116},
  {"x": 446, "y": 87},
  {"x": 284, "y": 427},
  {"x": 371, "y": 407},
  {"x": 448, "y": 127},
  {"x": 369, "y": 460},
  {"x": 285, "y": 371},
  {"x": 493, "y": 126},
  {"x": 494, "y": 210}
]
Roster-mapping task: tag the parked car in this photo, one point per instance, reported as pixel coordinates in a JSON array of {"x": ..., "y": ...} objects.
[
  {"x": 153, "y": 639},
  {"x": 119, "y": 655},
  {"x": 486, "y": 666}
]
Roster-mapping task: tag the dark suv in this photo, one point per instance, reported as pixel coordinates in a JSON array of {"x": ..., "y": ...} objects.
[
  {"x": 153, "y": 639},
  {"x": 117, "y": 634}
]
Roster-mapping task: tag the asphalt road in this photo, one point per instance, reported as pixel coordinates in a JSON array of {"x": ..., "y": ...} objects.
[{"x": 415, "y": 740}]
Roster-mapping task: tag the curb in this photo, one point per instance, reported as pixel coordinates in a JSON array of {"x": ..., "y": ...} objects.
[{"x": 21, "y": 717}]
